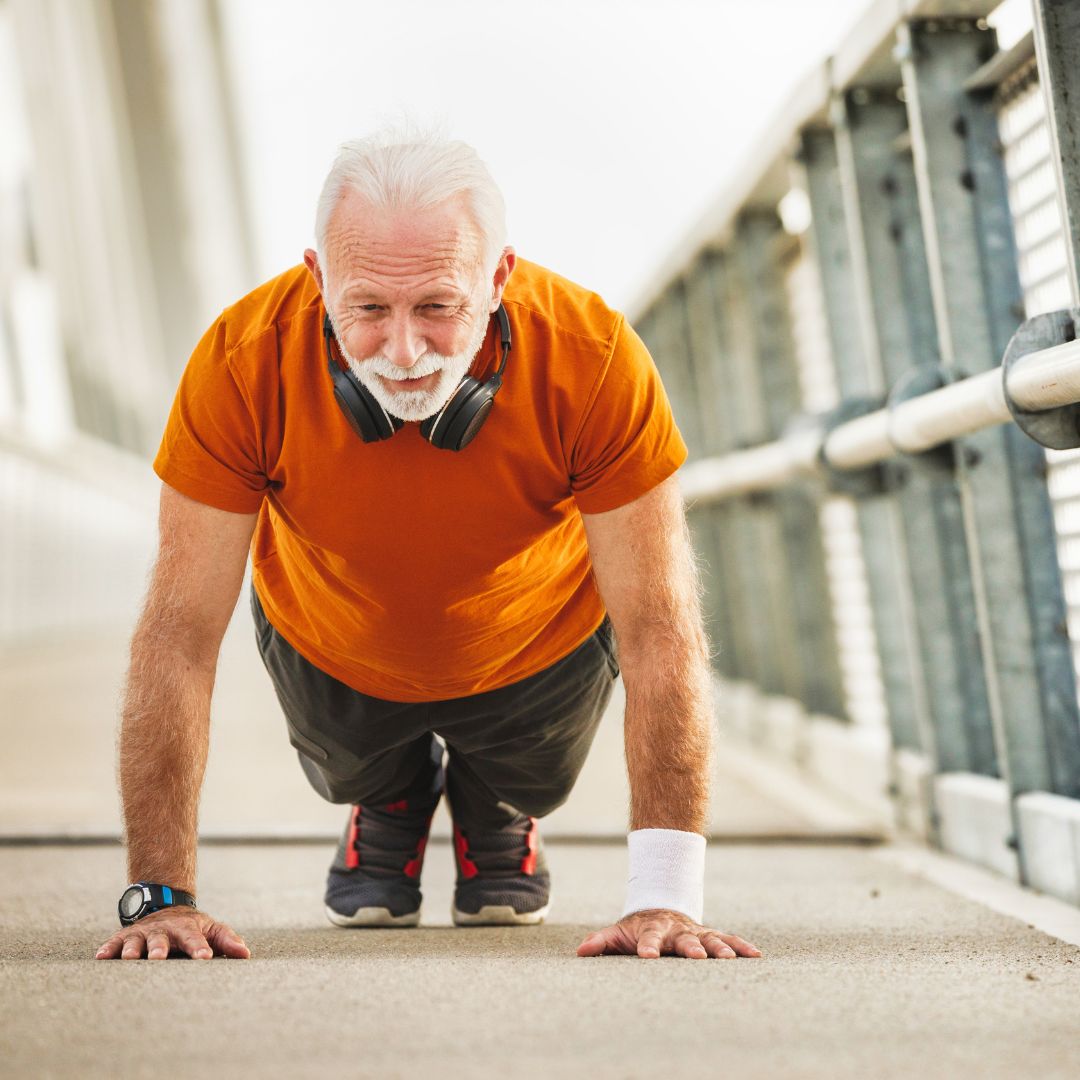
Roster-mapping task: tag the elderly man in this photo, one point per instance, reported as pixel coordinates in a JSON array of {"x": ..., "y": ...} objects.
[{"x": 446, "y": 463}]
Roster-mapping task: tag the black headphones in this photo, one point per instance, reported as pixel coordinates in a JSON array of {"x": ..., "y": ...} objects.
[{"x": 453, "y": 427}]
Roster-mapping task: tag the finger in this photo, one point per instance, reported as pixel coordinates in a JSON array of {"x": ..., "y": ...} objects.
[
  {"x": 743, "y": 948},
  {"x": 111, "y": 949},
  {"x": 717, "y": 947},
  {"x": 649, "y": 943},
  {"x": 593, "y": 945},
  {"x": 195, "y": 945},
  {"x": 157, "y": 945},
  {"x": 133, "y": 947},
  {"x": 608, "y": 940},
  {"x": 227, "y": 942},
  {"x": 688, "y": 945}
]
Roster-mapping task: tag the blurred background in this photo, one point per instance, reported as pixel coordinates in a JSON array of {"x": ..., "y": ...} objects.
[{"x": 159, "y": 158}]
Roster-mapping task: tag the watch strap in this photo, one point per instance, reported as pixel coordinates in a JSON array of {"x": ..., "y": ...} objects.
[{"x": 156, "y": 897}]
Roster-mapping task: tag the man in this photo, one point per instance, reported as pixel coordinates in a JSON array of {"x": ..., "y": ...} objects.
[{"x": 430, "y": 561}]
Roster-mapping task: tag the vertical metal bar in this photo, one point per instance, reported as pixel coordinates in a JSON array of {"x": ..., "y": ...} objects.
[
  {"x": 689, "y": 378},
  {"x": 804, "y": 613},
  {"x": 665, "y": 333},
  {"x": 749, "y": 523},
  {"x": 748, "y": 633},
  {"x": 1057, "y": 46},
  {"x": 724, "y": 607},
  {"x": 1007, "y": 514},
  {"x": 952, "y": 711},
  {"x": 675, "y": 366},
  {"x": 857, "y": 357}
]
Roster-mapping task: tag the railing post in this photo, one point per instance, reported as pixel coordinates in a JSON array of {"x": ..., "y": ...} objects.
[
  {"x": 750, "y": 528},
  {"x": 977, "y": 304},
  {"x": 856, "y": 356},
  {"x": 714, "y": 523},
  {"x": 881, "y": 205},
  {"x": 1057, "y": 46},
  {"x": 756, "y": 305},
  {"x": 687, "y": 377}
]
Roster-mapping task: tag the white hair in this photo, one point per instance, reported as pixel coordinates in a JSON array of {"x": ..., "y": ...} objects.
[{"x": 398, "y": 169}]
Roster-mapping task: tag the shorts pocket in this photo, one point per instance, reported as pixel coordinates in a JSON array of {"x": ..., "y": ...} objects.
[{"x": 305, "y": 745}]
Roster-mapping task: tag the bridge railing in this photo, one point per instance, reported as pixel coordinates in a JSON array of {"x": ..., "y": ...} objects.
[{"x": 869, "y": 346}]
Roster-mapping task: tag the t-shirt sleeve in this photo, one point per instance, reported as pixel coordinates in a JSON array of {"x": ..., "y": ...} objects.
[
  {"x": 210, "y": 449},
  {"x": 627, "y": 442}
]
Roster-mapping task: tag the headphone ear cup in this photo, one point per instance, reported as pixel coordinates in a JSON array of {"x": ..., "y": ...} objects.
[
  {"x": 455, "y": 425},
  {"x": 365, "y": 415}
]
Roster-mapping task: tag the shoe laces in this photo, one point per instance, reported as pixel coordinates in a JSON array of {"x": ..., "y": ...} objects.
[
  {"x": 498, "y": 853},
  {"x": 387, "y": 839}
]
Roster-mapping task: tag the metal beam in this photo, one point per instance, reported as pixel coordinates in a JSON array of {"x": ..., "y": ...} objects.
[
  {"x": 802, "y": 611},
  {"x": 977, "y": 304},
  {"x": 951, "y": 708},
  {"x": 839, "y": 247},
  {"x": 1045, "y": 380},
  {"x": 1057, "y": 46},
  {"x": 726, "y": 601}
]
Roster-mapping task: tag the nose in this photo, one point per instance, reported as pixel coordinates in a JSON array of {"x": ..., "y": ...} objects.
[{"x": 405, "y": 344}]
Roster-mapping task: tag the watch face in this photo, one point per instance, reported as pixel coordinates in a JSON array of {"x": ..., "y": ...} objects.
[{"x": 131, "y": 901}]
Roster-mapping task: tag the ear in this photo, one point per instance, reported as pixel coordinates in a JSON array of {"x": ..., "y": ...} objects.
[
  {"x": 502, "y": 274},
  {"x": 311, "y": 261}
]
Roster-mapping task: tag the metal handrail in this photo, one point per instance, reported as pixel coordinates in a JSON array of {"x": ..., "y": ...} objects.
[{"x": 1042, "y": 380}]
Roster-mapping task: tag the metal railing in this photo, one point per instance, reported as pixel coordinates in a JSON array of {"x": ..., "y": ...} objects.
[
  {"x": 1045, "y": 380},
  {"x": 939, "y": 179}
]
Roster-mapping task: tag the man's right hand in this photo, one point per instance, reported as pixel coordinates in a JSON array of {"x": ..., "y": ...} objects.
[{"x": 180, "y": 929}]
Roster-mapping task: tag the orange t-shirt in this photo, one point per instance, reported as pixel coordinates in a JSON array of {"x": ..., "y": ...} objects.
[{"x": 407, "y": 572}]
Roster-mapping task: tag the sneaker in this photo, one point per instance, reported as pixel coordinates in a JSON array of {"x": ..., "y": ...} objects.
[
  {"x": 375, "y": 876},
  {"x": 502, "y": 876}
]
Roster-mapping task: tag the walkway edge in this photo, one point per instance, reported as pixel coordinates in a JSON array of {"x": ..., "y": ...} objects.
[{"x": 1045, "y": 913}]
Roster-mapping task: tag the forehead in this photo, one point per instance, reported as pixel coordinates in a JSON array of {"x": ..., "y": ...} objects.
[{"x": 400, "y": 250}]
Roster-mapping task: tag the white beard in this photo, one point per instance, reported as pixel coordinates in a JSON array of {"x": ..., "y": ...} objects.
[{"x": 415, "y": 404}]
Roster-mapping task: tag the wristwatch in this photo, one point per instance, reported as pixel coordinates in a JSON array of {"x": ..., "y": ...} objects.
[{"x": 143, "y": 897}]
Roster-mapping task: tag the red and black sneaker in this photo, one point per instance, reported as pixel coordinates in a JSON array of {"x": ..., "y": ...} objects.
[
  {"x": 375, "y": 876},
  {"x": 502, "y": 875}
]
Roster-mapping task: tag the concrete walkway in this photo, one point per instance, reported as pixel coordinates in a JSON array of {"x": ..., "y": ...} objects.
[{"x": 868, "y": 972}]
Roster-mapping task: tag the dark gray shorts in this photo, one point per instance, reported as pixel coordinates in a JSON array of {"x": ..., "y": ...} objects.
[{"x": 514, "y": 750}]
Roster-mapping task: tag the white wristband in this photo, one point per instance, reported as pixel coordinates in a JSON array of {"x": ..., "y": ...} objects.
[{"x": 667, "y": 870}]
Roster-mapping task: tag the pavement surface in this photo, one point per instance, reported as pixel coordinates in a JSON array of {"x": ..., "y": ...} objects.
[{"x": 867, "y": 971}]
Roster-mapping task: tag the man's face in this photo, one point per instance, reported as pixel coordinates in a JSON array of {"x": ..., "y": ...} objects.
[{"x": 408, "y": 300}]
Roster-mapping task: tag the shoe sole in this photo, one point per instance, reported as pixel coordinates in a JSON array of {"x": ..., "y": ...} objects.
[
  {"x": 372, "y": 916},
  {"x": 499, "y": 915}
]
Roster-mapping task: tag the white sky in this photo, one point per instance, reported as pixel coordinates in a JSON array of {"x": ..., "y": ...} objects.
[{"x": 609, "y": 124}]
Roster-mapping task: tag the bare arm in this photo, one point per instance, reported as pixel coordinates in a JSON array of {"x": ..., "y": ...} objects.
[
  {"x": 164, "y": 732},
  {"x": 647, "y": 576},
  {"x": 646, "y": 573}
]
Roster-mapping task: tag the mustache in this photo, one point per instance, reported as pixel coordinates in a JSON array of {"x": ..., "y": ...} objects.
[{"x": 428, "y": 364}]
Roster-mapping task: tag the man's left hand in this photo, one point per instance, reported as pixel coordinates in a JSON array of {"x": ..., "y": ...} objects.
[{"x": 658, "y": 932}]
